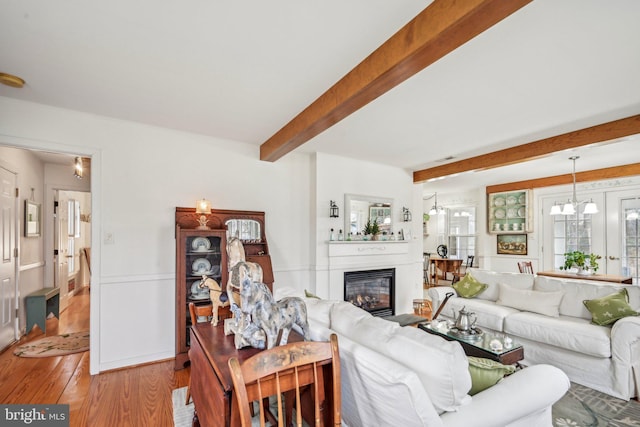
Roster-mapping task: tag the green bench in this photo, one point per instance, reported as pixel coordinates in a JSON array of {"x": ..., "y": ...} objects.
[{"x": 39, "y": 304}]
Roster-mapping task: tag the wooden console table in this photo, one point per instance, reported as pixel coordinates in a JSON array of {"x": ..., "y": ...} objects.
[
  {"x": 39, "y": 304},
  {"x": 211, "y": 384},
  {"x": 599, "y": 277}
]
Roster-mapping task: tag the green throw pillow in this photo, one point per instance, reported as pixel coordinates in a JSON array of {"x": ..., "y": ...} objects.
[
  {"x": 606, "y": 310},
  {"x": 486, "y": 373},
  {"x": 469, "y": 287},
  {"x": 310, "y": 295}
]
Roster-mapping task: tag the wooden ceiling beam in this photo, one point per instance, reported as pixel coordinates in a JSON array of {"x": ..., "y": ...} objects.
[
  {"x": 436, "y": 31},
  {"x": 532, "y": 150},
  {"x": 585, "y": 176}
]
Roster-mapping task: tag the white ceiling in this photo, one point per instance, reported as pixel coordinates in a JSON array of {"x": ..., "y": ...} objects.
[{"x": 241, "y": 70}]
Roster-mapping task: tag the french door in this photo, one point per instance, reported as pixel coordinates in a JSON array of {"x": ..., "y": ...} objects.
[
  {"x": 623, "y": 235},
  {"x": 613, "y": 233}
]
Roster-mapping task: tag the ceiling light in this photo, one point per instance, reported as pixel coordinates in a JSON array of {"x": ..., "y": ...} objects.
[
  {"x": 77, "y": 168},
  {"x": 11, "y": 80},
  {"x": 439, "y": 210},
  {"x": 571, "y": 207}
]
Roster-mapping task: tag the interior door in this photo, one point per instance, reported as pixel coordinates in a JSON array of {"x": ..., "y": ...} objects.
[
  {"x": 7, "y": 263},
  {"x": 61, "y": 242},
  {"x": 623, "y": 243}
]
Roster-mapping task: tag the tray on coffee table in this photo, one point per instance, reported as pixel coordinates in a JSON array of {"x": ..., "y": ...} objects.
[{"x": 480, "y": 346}]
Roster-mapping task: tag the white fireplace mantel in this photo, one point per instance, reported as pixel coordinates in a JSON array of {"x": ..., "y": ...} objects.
[{"x": 368, "y": 248}]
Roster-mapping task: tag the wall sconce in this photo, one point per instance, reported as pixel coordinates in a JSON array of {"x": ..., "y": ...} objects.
[
  {"x": 334, "y": 212},
  {"x": 406, "y": 215},
  {"x": 77, "y": 165},
  {"x": 203, "y": 207}
]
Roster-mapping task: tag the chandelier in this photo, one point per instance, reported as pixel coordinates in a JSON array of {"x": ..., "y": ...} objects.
[
  {"x": 436, "y": 209},
  {"x": 571, "y": 206}
]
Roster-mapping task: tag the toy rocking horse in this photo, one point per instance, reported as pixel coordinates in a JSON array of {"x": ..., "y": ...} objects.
[
  {"x": 218, "y": 298},
  {"x": 239, "y": 269}
]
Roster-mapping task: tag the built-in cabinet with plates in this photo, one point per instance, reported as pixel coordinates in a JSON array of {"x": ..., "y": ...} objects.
[
  {"x": 509, "y": 212},
  {"x": 204, "y": 253},
  {"x": 199, "y": 253}
]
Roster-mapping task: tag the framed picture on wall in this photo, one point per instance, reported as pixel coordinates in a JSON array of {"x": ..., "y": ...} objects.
[{"x": 512, "y": 244}]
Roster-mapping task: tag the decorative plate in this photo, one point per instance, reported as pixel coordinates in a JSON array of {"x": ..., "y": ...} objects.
[
  {"x": 201, "y": 244},
  {"x": 197, "y": 292},
  {"x": 521, "y": 212},
  {"x": 500, "y": 213},
  {"x": 512, "y": 200},
  {"x": 498, "y": 201},
  {"x": 512, "y": 213},
  {"x": 522, "y": 199},
  {"x": 201, "y": 266}
]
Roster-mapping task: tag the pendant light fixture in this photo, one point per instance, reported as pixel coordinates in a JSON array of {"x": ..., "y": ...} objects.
[
  {"x": 439, "y": 210},
  {"x": 571, "y": 206}
]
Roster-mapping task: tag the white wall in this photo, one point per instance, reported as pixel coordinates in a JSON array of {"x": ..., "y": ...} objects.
[{"x": 141, "y": 173}]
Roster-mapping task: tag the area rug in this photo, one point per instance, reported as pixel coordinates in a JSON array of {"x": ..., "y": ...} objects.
[
  {"x": 58, "y": 345},
  {"x": 182, "y": 414},
  {"x": 585, "y": 407}
]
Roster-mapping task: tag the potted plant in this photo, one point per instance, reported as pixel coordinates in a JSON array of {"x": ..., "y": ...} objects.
[
  {"x": 371, "y": 228},
  {"x": 585, "y": 263}
]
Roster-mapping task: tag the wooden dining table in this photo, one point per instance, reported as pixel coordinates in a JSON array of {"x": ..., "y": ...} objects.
[
  {"x": 625, "y": 280},
  {"x": 444, "y": 265}
]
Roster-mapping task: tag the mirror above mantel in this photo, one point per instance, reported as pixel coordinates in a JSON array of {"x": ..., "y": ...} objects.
[{"x": 359, "y": 208}]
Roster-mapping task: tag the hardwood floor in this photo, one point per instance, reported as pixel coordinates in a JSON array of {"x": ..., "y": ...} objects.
[{"x": 139, "y": 396}]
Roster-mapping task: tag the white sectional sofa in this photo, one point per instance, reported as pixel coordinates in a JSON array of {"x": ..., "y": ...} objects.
[
  {"x": 402, "y": 376},
  {"x": 606, "y": 358}
]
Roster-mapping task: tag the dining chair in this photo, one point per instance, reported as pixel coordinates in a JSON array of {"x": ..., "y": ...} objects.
[
  {"x": 426, "y": 269},
  {"x": 525, "y": 267},
  {"x": 295, "y": 370},
  {"x": 457, "y": 275}
]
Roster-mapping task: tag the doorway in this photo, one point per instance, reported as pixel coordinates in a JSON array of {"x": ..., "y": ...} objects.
[
  {"x": 623, "y": 235},
  {"x": 8, "y": 185},
  {"x": 72, "y": 242}
]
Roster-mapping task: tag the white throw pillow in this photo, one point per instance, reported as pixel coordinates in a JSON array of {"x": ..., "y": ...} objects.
[
  {"x": 493, "y": 279},
  {"x": 547, "y": 303},
  {"x": 319, "y": 310}
]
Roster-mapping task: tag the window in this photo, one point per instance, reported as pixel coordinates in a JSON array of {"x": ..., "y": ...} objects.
[
  {"x": 461, "y": 236},
  {"x": 570, "y": 233}
]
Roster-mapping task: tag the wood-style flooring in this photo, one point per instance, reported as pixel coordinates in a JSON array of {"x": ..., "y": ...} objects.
[{"x": 138, "y": 396}]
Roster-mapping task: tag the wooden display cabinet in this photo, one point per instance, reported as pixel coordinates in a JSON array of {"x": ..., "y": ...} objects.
[{"x": 200, "y": 252}]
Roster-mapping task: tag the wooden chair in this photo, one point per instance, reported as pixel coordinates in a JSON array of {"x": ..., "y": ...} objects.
[
  {"x": 525, "y": 267},
  {"x": 426, "y": 269},
  {"x": 295, "y": 369},
  {"x": 458, "y": 275}
]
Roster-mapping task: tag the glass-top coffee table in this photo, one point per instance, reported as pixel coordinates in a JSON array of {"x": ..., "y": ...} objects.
[{"x": 481, "y": 346}]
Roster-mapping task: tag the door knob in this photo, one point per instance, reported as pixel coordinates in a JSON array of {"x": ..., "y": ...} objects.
[{"x": 613, "y": 258}]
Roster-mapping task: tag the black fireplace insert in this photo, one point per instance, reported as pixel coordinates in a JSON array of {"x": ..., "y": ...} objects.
[{"x": 371, "y": 290}]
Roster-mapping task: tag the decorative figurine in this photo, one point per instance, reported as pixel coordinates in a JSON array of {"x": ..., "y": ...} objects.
[
  {"x": 218, "y": 298},
  {"x": 259, "y": 318}
]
